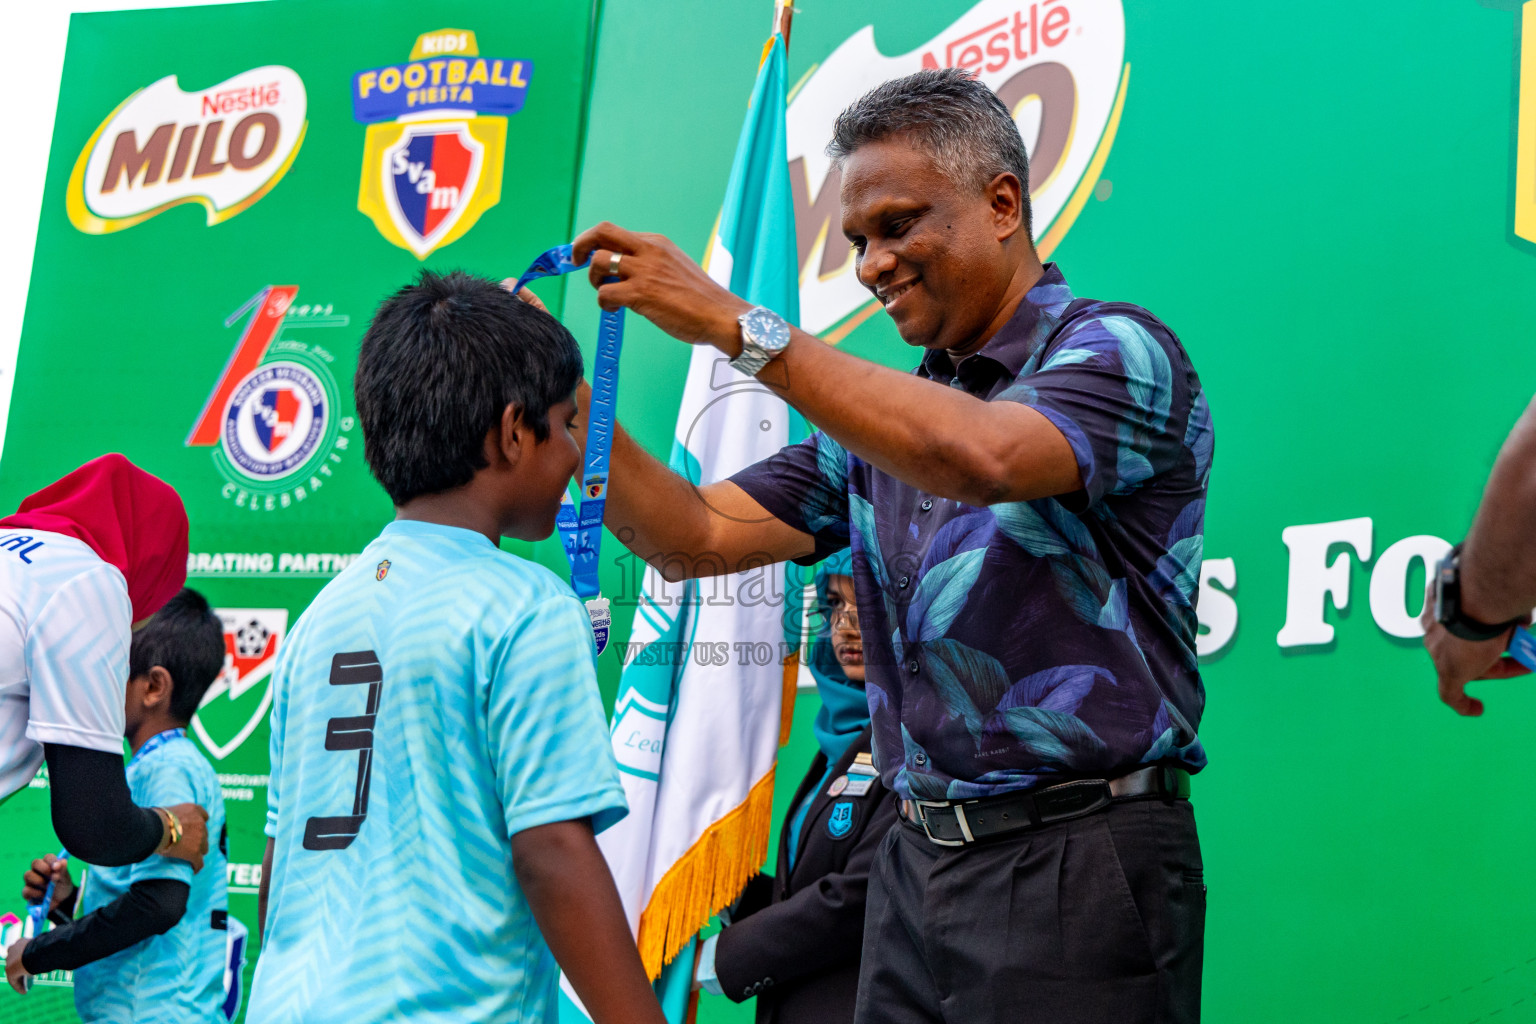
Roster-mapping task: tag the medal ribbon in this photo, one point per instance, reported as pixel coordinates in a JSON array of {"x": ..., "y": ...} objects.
[
  {"x": 581, "y": 525},
  {"x": 157, "y": 741}
]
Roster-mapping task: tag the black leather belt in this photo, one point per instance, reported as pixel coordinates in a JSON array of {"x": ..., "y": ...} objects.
[{"x": 958, "y": 822}]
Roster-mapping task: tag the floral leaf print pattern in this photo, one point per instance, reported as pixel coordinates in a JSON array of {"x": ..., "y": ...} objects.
[
  {"x": 862, "y": 516},
  {"x": 1056, "y": 740},
  {"x": 941, "y": 593},
  {"x": 1199, "y": 438},
  {"x": 1149, "y": 383},
  {"x": 1175, "y": 739},
  {"x": 1062, "y": 688},
  {"x": 825, "y": 505},
  {"x": 1177, "y": 575},
  {"x": 1030, "y": 639},
  {"x": 966, "y": 681},
  {"x": 922, "y": 787},
  {"x": 1023, "y": 525}
]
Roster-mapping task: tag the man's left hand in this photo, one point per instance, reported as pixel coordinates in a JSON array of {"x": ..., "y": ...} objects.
[
  {"x": 16, "y": 974},
  {"x": 659, "y": 281},
  {"x": 1458, "y": 661}
]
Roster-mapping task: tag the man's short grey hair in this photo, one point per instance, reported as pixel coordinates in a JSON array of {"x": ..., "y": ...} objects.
[{"x": 958, "y": 120}]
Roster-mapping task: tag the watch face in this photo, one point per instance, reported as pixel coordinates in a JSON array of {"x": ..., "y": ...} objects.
[{"x": 765, "y": 328}]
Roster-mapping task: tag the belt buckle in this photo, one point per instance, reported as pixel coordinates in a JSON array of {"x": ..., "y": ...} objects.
[{"x": 922, "y": 819}]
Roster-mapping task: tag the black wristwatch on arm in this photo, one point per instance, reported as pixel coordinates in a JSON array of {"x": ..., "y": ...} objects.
[{"x": 1448, "y": 610}]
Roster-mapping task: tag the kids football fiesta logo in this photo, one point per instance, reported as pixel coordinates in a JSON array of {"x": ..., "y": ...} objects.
[
  {"x": 432, "y": 156},
  {"x": 224, "y": 147},
  {"x": 272, "y": 417}
]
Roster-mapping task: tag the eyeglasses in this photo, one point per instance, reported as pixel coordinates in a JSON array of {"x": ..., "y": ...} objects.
[{"x": 832, "y": 611}]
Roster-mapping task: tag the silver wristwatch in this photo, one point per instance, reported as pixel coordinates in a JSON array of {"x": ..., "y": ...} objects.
[{"x": 764, "y": 334}]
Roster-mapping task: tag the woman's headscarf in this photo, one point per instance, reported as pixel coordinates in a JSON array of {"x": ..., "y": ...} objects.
[
  {"x": 844, "y": 710},
  {"x": 133, "y": 520}
]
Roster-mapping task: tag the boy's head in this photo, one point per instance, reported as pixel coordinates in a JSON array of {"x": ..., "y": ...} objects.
[
  {"x": 173, "y": 661},
  {"x": 459, "y": 381}
]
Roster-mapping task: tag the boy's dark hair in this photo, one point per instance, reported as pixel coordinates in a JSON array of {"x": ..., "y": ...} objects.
[
  {"x": 441, "y": 360},
  {"x": 186, "y": 639}
]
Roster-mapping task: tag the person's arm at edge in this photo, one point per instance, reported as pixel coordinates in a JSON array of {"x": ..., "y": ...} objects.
[
  {"x": 977, "y": 452},
  {"x": 152, "y": 906},
  {"x": 1498, "y": 558},
  {"x": 262, "y": 890},
  {"x": 96, "y": 819},
  {"x": 1498, "y": 573},
  {"x": 572, "y": 896}
]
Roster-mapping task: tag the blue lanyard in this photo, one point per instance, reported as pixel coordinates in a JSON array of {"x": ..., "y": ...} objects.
[
  {"x": 1522, "y": 647},
  {"x": 38, "y": 911},
  {"x": 155, "y": 742},
  {"x": 581, "y": 525}
]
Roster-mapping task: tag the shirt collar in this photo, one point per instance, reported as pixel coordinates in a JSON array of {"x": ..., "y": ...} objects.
[
  {"x": 1020, "y": 337},
  {"x": 426, "y": 528}
]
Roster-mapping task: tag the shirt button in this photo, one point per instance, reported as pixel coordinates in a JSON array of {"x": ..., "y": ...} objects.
[
  {"x": 902, "y": 583},
  {"x": 927, "y": 504},
  {"x": 912, "y": 666},
  {"x": 921, "y": 758}
]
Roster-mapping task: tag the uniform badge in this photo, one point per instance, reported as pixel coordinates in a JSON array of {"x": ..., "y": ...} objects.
[
  {"x": 383, "y": 571},
  {"x": 840, "y": 821},
  {"x": 838, "y": 785},
  {"x": 436, "y": 139}
]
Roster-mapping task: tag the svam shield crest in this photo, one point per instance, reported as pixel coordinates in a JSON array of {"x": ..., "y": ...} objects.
[
  {"x": 277, "y": 415},
  {"x": 241, "y": 696},
  {"x": 430, "y": 176}
]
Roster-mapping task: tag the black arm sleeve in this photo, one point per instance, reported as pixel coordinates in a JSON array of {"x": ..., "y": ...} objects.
[
  {"x": 150, "y": 907},
  {"x": 93, "y": 814}
]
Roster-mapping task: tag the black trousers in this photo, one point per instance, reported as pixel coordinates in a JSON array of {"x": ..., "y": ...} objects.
[{"x": 1099, "y": 920}]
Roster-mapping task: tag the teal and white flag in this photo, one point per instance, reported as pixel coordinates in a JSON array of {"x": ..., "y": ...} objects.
[{"x": 697, "y": 722}]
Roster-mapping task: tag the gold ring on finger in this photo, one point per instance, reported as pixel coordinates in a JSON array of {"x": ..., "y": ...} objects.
[{"x": 613, "y": 264}]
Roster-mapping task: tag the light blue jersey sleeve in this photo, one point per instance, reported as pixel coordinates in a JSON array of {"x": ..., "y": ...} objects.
[
  {"x": 165, "y": 785},
  {"x": 548, "y": 735}
]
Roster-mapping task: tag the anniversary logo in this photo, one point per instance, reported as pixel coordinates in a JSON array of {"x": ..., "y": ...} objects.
[
  {"x": 273, "y": 417},
  {"x": 224, "y": 147},
  {"x": 1057, "y": 64},
  {"x": 433, "y": 152},
  {"x": 233, "y": 706}
]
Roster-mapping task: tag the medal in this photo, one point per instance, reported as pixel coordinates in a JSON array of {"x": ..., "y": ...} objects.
[{"x": 581, "y": 525}]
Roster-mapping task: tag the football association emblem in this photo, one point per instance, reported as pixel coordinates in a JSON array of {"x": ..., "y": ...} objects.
[
  {"x": 436, "y": 138},
  {"x": 382, "y": 571},
  {"x": 234, "y": 705}
]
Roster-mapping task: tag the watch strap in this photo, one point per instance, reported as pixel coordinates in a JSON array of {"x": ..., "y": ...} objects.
[{"x": 1449, "y": 612}]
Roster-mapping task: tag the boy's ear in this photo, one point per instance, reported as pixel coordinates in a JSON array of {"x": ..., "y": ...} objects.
[
  {"x": 157, "y": 687},
  {"x": 504, "y": 441}
]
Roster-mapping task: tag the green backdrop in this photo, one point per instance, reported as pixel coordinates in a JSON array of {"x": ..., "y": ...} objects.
[{"x": 1321, "y": 202}]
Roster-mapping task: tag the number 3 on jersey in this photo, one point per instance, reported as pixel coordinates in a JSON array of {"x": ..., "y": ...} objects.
[{"x": 354, "y": 733}]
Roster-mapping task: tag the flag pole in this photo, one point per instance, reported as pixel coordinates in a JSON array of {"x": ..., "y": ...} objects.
[{"x": 783, "y": 16}]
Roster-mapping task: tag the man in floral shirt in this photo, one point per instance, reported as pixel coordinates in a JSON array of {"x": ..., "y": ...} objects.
[{"x": 1025, "y": 512}]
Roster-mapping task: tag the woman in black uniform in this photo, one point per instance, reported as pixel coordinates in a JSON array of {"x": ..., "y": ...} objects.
[{"x": 793, "y": 939}]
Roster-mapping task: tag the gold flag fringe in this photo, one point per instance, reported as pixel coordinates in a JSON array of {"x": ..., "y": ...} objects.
[
  {"x": 706, "y": 878},
  {"x": 787, "y": 699}
]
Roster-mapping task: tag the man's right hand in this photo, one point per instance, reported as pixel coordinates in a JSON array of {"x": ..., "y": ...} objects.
[
  {"x": 34, "y": 881},
  {"x": 194, "y": 835}
]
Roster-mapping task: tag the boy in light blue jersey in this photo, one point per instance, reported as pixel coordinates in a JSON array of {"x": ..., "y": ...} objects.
[
  {"x": 440, "y": 758},
  {"x": 151, "y": 946}
]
